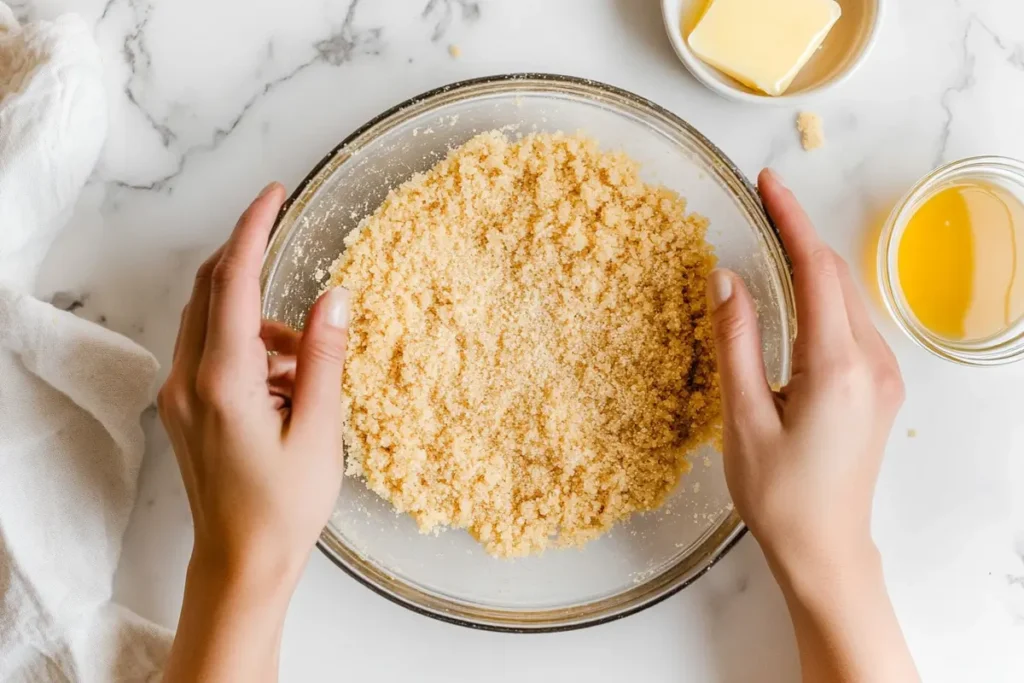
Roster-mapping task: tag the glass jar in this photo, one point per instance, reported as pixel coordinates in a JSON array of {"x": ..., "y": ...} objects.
[{"x": 1004, "y": 347}]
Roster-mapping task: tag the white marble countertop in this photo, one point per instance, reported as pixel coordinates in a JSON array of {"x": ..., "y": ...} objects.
[{"x": 210, "y": 99}]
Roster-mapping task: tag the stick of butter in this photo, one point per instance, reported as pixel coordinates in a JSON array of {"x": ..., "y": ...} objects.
[{"x": 763, "y": 43}]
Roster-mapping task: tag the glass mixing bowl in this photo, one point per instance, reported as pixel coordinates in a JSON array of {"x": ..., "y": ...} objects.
[{"x": 640, "y": 562}]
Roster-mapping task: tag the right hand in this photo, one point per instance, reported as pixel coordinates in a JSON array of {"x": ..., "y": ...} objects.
[{"x": 801, "y": 463}]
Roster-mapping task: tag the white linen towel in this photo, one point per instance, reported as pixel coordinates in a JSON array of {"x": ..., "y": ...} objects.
[{"x": 71, "y": 392}]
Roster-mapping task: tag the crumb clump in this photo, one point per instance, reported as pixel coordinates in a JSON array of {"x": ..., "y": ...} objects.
[
  {"x": 530, "y": 355},
  {"x": 812, "y": 130}
]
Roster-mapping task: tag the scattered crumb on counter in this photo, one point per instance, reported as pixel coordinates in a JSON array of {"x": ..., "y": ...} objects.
[
  {"x": 812, "y": 130},
  {"x": 455, "y": 51},
  {"x": 911, "y": 433}
]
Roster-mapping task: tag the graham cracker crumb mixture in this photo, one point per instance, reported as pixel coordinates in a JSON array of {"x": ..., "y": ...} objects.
[
  {"x": 530, "y": 355},
  {"x": 811, "y": 129}
]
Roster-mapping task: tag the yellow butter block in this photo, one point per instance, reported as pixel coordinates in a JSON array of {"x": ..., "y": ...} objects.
[{"x": 763, "y": 43}]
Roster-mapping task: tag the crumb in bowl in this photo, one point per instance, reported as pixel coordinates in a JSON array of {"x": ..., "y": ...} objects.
[{"x": 531, "y": 355}]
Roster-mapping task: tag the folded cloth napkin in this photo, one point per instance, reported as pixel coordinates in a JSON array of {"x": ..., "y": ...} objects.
[{"x": 71, "y": 392}]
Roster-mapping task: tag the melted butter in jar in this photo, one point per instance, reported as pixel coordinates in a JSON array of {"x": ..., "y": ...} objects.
[{"x": 961, "y": 261}]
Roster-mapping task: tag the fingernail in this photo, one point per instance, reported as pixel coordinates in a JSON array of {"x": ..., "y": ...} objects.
[
  {"x": 719, "y": 288},
  {"x": 338, "y": 307},
  {"x": 268, "y": 189},
  {"x": 775, "y": 176}
]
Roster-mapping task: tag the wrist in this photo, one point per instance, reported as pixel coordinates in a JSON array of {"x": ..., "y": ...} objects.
[
  {"x": 232, "y": 619},
  {"x": 809, "y": 571},
  {"x": 272, "y": 579}
]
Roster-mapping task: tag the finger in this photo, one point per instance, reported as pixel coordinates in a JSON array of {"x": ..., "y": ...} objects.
[
  {"x": 234, "y": 313},
  {"x": 745, "y": 391},
  {"x": 280, "y": 338},
  {"x": 181, "y": 326},
  {"x": 282, "y": 404},
  {"x": 860, "y": 321},
  {"x": 281, "y": 369},
  {"x": 192, "y": 333},
  {"x": 821, "y": 312},
  {"x": 281, "y": 375},
  {"x": 316, "y": 401},
  {"x": 864, "y": 330}
]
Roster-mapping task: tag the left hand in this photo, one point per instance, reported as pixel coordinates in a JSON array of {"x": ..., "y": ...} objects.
[{"x": 257, "y": 436}]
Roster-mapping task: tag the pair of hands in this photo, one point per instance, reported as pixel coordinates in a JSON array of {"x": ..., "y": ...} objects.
[{"x": 257, "y": 437}]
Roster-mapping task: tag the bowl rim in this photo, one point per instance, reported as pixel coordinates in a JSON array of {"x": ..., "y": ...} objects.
[
  {"x": 731, "y": 536},
  {"x": 702, "y": 72}
]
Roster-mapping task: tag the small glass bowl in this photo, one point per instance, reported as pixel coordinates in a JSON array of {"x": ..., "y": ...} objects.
[
  {"x": 649, "y": 556},
  {"x": 1004, "y": 347},
  {"x": 845, "y": 49}
]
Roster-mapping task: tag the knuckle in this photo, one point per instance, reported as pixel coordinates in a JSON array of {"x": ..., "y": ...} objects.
[
  {"x": 171, "y": 399},
  {"x": 848, "y": 375},
  {"x": 322, "y": 349},
  {"x": 223, "y": 273},
  {"x": 890, "y": 384},
  {"x": 730, "y": 325},
  {"x": 213, "y": 387},
  {"x": 205, "y": 272},
  {"x": 164, "y": 400},
  {"x": 856, "y": 378},
  {"x": 842, "y": 267},
  {"x": 823, "y": 260}
]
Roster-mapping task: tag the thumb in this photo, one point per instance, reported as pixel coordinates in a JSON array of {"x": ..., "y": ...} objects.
[
  {"x": 745, "y": 391},
  {"x": 316, "y": 400}
]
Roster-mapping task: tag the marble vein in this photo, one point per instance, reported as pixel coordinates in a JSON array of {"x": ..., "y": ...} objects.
[
  {"x": 139, "y": 61},
  {"x": 106, "y": 9},
  {"x": 444, "y": 11},
  {"x": 337, "y": 48},
  {"x": 962, "y": 82},
  {"x": 965, "y": 77},
  {"x": 1016, "y": 50}
]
